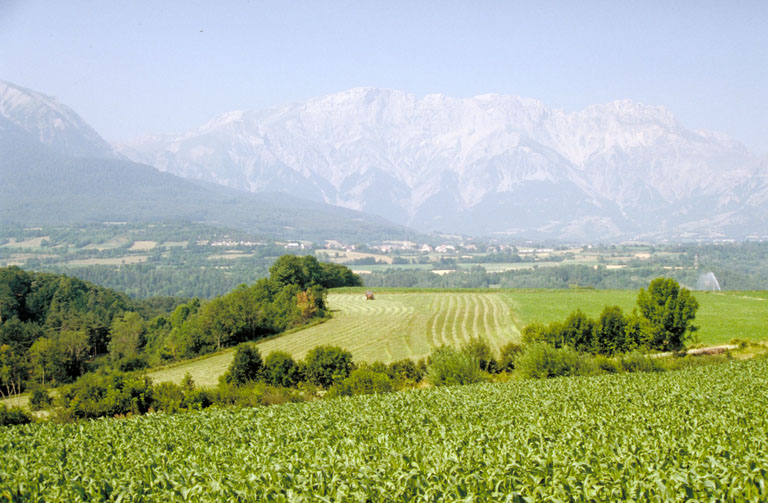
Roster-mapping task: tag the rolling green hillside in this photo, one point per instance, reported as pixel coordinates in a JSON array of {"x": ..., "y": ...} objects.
[{"x": 408, "y": 324}]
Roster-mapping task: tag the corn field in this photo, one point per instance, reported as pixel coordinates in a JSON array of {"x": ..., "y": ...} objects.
[{"x": 694, "y": 435}]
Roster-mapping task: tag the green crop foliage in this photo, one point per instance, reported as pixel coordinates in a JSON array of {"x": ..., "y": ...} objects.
[{"x": 699, "y": 434}]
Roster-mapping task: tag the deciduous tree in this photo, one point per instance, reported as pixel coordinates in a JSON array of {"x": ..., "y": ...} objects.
[{"x": 669, "y": 311}]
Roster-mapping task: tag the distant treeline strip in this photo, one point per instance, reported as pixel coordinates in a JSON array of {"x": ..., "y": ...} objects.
[
  {"x": 149, "y": 280},
  {"x": 562, "y": 276}
]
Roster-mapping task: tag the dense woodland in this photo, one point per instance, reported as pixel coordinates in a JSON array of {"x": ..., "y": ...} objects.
[{"x": 56, "y": 328}]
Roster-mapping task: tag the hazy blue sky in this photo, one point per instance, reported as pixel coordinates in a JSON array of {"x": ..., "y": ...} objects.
[{"x": 138, "y": 67}]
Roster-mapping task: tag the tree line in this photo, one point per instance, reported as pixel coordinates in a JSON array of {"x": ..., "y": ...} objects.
[
  {"x": 662, "y": 321},
  {"x": 557, "y": 277}
]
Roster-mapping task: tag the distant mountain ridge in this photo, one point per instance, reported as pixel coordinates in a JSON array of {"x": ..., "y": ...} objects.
[
  {"x": 56, "y": 170},
  {"x": 51, "y": 123},
  {"x": 491, "y": 164}
]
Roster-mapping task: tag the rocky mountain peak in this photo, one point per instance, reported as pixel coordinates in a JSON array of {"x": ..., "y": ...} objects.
[
  {"x": 486, "y": 164},
  {"x": 51, "y": 122}
]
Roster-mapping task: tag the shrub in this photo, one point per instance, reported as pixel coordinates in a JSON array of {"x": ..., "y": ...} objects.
[
  {"x": 171, "y": 397},
  {"x": 97, "y": 395},
  {"x": 607, "y": 365},
  {"x": 187, "y": 382},
  {"x": 540, "y": 360},
  {"x": 535, "y": 332},
  {"x": 449, "y": 366},
  {"x": 611, "y": 332},
  {"x": 13, "y": 416},
  {"x": 245, "y": 395},
  {"x": 363, "y": 381},
  {"x": 247, "y": 365},
  {"x": 405, "y": 370},
  {"x": 253, "y": 394},
  {"x": 740, "y": 343},
  {"x": 378, "y": 366},
  {"x": 479, "y": 348},
  {"x": 276, "y": 396},
  {"x": 638, "y": 362},
  {"x": 325, "y": 365},
  {"x": 509, "y": 352},
  {"x": 678, "y": 363},
  {"x": 578, "y": 331},
  {"x": 280, "y": 369},
  {"x": 131, "y": 363},
  {"x": 40, "y": 399}
]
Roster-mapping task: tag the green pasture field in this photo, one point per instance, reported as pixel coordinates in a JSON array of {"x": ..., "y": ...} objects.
[
  {"x": 388, "y": 267},
  {"x": 722, "y": 316},
  {"x": 403, "y": 323},
  {"x": 127, "y": 259},
  {"x": 26, "y": 243},
  {"x": 516, "y": 266},
  {"x": 488, "y": 266},
  {"x": 110, "y": 244},
  {"x": 143, "y": 245},
  {"x": 699, "y": 434}
]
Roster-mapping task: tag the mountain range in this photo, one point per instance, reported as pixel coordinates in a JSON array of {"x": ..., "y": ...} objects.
[
  {"x": 489, "y": 165},
  {"x": 348, "y": 164},
  {"x": 56, "y": 170}
]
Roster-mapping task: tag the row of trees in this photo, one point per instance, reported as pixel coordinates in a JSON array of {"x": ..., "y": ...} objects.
[
  {"x": 252, "y": 380},
  {"x": 249, "y": 381},
  {"x": 332, "y": 368},
  {"x": 661, "y": 321},
  {"x": 292, "y": 296}
]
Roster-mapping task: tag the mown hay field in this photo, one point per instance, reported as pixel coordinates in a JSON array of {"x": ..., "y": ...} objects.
[
  {"x": 699, "y": 434},
  {"x": 394, "y": 326},
  {"x": 408, "y": 324}
]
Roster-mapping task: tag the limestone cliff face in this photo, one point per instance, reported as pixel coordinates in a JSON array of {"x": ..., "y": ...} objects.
[{"x": 488, "y": 164}]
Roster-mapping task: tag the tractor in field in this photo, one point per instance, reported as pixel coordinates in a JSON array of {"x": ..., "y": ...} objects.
[{"x": 369, "y": 295}]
